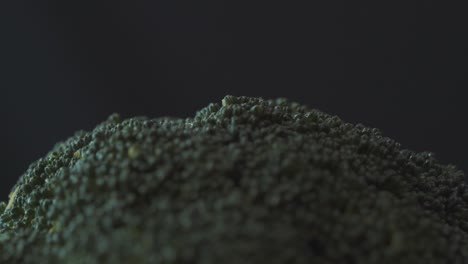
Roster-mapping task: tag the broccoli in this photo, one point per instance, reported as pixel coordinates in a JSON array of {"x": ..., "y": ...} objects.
[{"x": 249, "y": 180}]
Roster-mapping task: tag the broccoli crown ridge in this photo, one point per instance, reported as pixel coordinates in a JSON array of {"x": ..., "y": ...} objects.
[{"x": 247, "y": 180}]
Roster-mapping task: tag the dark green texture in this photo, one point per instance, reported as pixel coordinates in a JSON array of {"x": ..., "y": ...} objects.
[{"x": 245, "y": 181}]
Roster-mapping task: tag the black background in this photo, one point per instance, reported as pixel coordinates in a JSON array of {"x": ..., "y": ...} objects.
[{"x": 400, "y": 66}]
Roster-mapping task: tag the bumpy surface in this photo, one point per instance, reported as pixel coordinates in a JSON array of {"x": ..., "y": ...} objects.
[{"x": 245, "y": 181}]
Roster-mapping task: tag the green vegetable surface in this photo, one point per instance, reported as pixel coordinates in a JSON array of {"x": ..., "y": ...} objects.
[{"x": 246, "y": 180}]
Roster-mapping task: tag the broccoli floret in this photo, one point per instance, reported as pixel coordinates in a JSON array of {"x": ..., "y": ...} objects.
[{"x": 247, "y": 180}]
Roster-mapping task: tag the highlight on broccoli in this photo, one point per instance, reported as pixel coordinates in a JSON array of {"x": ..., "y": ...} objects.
[{"x": 249, "y": 180}]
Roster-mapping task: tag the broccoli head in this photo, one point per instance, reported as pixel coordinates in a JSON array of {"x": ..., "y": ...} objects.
[{"x": 247, "y": 180}]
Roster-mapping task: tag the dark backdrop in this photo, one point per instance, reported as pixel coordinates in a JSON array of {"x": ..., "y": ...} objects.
[{"x": 66, "y": 65}]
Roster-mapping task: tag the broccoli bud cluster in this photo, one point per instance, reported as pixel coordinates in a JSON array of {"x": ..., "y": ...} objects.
[{"x": 245, "y": 181}]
